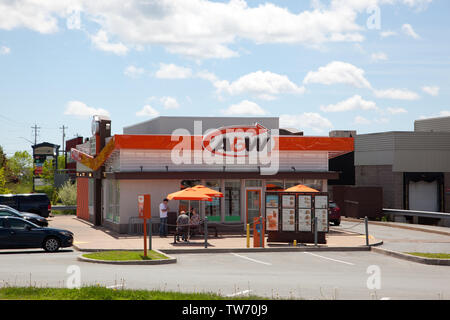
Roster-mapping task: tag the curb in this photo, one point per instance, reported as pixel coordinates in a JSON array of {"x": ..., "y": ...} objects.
[
  {"x": 242, "y": 250},
  {"x": 253, "y": 250},
  {"x": 408, "y": 227},
  {"x": 129, "y": 262},
  {"x": 409, "y": 257}
]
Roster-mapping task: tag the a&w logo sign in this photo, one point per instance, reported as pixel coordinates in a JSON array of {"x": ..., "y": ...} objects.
[{"x": 249, "y": 147}]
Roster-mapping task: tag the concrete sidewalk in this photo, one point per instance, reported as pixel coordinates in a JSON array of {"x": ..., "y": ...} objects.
[{"x": 88, "y": 238}]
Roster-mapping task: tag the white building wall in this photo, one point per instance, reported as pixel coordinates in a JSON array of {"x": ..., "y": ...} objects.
[
  {"x": 158, "y": 189},
  {"x": 157, "y": 160}
]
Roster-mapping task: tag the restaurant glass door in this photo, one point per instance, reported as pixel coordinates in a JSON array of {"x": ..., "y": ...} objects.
[{"x": 253, "y": 204}]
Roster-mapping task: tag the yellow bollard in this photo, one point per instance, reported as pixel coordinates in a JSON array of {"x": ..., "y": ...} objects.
[
  {"x": 248, "y": 235},
  {"x": 295, "y": 243}
]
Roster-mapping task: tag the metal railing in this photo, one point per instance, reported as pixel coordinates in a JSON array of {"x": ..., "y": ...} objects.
[
  {"x": 59, "y": 208},
  {"x": 416, "y": 213}
]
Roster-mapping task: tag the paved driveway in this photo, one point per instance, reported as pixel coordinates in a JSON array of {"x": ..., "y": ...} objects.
[{"x": 403, "y": 240}]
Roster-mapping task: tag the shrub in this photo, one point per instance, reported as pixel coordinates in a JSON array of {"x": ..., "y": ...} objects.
[{"x": 68, "y": 194}]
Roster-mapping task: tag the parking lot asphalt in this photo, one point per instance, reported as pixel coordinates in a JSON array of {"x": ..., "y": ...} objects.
[{"x": 298, "y": 275}]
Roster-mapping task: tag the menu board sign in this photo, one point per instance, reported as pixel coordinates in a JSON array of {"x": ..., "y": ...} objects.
[
  {"x": 288, "y": 201},
  {"x": 321, "y": 202},
  {"x": 304, "y": 201},
  {"x": 272, "y": 219},
  {"x": 322, "y": 220},
  {"x": 272, "y": 201},
  {"x": 304, "y": 220},
  {"x": 288, "y": 219}
]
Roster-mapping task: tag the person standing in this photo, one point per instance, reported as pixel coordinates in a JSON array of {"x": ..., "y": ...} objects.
[{"x": 163, "y": 210}]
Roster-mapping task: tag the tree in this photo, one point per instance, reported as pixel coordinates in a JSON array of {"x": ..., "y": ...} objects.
[
  {"x": 2, "y": 158},
  {"x": 21, "y": 166},
  {"x": 3, "y": 188},
  {"x": 48, "y": 172}
]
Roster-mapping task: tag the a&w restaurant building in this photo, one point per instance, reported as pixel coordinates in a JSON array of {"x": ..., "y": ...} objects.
[{"x": 242, "y": 157}]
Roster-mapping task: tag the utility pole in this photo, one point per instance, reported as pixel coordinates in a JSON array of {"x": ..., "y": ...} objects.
[
  {"x": 36, "y": 131},
  {"x": 63, "y": 128},
  {"x": 35, "y": 128}
]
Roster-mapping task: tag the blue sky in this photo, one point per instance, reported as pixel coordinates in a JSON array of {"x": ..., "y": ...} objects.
[{"x": 318, "y": 65}]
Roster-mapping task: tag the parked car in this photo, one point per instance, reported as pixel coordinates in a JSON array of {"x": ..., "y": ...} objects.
[
  {"x": 17, "y": 233},
  {"x": 334, "y": 213},
  {"x": 37, "y": 203},
  {"x": 6, "y": 211}
]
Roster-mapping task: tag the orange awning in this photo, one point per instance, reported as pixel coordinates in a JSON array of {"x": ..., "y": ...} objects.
[
  {"x": 208, "y": 191},
  {"x": 300, "y": 188},
  {"x": 189, "y": 194}
]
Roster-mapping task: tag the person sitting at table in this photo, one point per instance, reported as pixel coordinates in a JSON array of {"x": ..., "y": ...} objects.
[
  {"x": 182, "y": 226},
  {"x": 195, "y": 221}
]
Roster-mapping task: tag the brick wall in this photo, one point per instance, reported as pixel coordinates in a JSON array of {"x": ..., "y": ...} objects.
[
  {"x": 83, "y": 198},
  {"x": 382, "y": 176}
]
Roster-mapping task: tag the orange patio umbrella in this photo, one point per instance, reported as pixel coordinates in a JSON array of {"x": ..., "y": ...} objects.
[
  {"x": 189, "y": 194},
  {"x": 300, "y": 188},
  {"x": 208, "y": 191}
]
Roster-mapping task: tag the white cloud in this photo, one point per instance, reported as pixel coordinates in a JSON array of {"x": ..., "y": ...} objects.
[
  {"x": 409, "y": 31},
  {"x": 396, "y": 110},
  {"x": 388, "y": 33},
  {"x": 338, "y": 72},
  {"x": 198, "y": 28},
  {"x": 80, "y": 109},
  {"x": 399, "y": 94},
  {"x": 245, "y": 107},
  {"x": 172, "y": 71},
  {"x": 262, "y": 84},
  {"x": 307, "y": 120},
  {"x": 442, "y": 113},
  {"x": 147, "y": 111},
  {"x": 361, "y": 120},
  {"x": 133, "y": 72},
  {"x": 101, "y": 42},
  {"x": 73, "y": 21},
  {"x": 353, "y": 103},
  {"x": 4, "y": 50},
  {"x": 170, "y": 103},
  {"x": 433, "y": 91},
  {"x": 379, "y": 56}
]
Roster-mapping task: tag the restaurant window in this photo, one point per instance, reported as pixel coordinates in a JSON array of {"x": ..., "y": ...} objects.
[
  {"x": 292, "y": 183},
  {"x": 274, "y": 185},
  {"x": 314, "y": 183},
  {"x": 253, "y": 183},
  {"x": 184, "y": 204},
  {"x": 113, "y": 201},
  {"x": 232, "y": 200},
  {"x": 212, "y": 208}
]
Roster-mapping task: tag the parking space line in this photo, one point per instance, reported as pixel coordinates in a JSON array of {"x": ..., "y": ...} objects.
[
  {"x": 254, "y": 260},
  {"x": 238, "y": 293},
  {"x": 316, "y": 255}
]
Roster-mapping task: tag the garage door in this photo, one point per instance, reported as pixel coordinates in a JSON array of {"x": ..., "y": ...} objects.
[{"x": 423, "y": 196}]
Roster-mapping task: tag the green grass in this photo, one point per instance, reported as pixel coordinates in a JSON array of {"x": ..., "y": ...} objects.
[
  {"x": 17, "y": 188},
  {"x": 430, "y": 255},
  {"x": 124, "y": 255},
  {"x": 101, "y": 293}
]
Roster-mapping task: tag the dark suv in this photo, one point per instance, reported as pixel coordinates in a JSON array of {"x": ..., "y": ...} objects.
[{"x": 37, "y": 203}]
